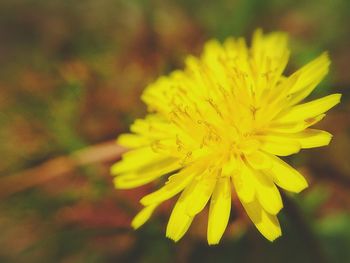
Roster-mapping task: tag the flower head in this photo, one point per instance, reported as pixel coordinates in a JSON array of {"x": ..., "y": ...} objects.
[{"x": 215, "y": 130}]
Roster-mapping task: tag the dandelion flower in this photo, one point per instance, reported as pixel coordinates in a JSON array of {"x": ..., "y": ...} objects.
[{"x": 217, "y": 129}]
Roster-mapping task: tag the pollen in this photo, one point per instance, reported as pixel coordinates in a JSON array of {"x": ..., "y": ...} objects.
[{"x": 218, "y": 128}]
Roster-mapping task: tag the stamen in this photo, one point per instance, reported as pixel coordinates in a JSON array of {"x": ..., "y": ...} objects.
[{"x": 215, "y": 107}]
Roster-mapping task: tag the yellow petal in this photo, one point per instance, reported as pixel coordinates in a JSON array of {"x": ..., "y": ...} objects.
[
  {"x": 270, "y": 45},
  {"x": 179, "y": 221},
  {"x": 145, "y": 174},
  {"x": 310, "y": 109},
  {"x": 308, "y": 78},
  {"x": 244, "y": 184},
  {"x": 258, "y": 160},
  {"x": 267, "y": 224},
  {"x": 135, "y": 159},
  {"x": 294, "y": 127},
  {"x": 311, "y": 138},
  {"x": 267, "y": 193},
  {"x": 279, "y": 145},
  {"x": 219, "y": 211},
  {"x": 197, "y": 194},
  {"x": 129, "y": 140},
  {"x": 153, "y": 127},
  {"x": 173, "y": 186},
  {"x": 143, "y": 216},
  {"x": 286, "y": 127},
  {"x": 286, "y": 176},
  {"x": 269, "y": 56},
  {"x": 249, "y": 146},
  {"x": 296, "y": 87}
]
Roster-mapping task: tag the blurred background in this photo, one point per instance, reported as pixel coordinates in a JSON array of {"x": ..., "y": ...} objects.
[{"x": 71, "y": 73}]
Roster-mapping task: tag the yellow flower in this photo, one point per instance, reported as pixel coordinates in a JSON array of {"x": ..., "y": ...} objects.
[{"x": 225, "y": 118}]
